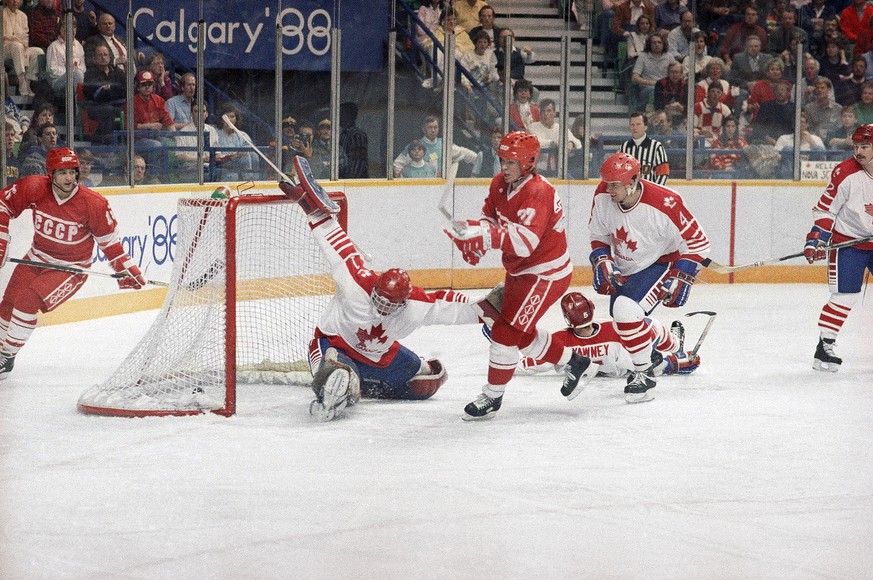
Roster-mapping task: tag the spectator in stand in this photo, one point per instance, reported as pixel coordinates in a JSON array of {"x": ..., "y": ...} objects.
[
  {"x": 789, "y": 59},
  {"x": 12, "y": 172},
  {"x": 668, "y": 15},
  {"x": 43, "y": 23},
  {"x": 353, "y": 144},
  {"x": 717, "y": 15},
  {"x": 841, "y": 137},
  {"x": 32, "y": 160},
  {"x": 832, "y": 31},
  {"x": 85, "y": 18},
  {"x": 651, "y": 66},
  {"x": 321, "y": 150},
  {"x": 650, "y": 153},
  {"x": 86, "y": 164},
  {"x": 748, "y": 67},
  {"x": 303, "y": 139},
  {"x": 811, "y": 68},
  {"x": 16, "y": 46},
  {"x": 864, "y": 107},
  {"x": 462, "y": 39},
  {"x": 56, "y": 62},
  {"x": 486, "y": 23},
  {"x": 779, "y": 39},
  {"x": 520, "y": 57},
  {"x": 774, "y": 15},
  {"x": 775, "y": 116},
  {"x": 429, "y": 14},
  {"x": 701, "y": 57},
  {"x": 671, "y": 92},
  {"x": 661, "y": 126},
  {"x": 150, "y": 114},
  {"x": 522, "y": 112},
  {"x": 106, "y": 37},
  {"x": 812, "y": 19},
  {"x": 481, "y": 63},
  {"x": 105, "y": 87},
  {"x": 822, "y": 109},
  {"x": 180, "y": 105},
  {"x": 417, "y": 168},
  {"x": 808, "y": 142},
  {"x": 636, "y": 45},
  {"x": 765, "y": 89},
  {"x": 855, "y": 22},
  {"x": 186, "y": 142},
  {"x": 490, "y": 163},
  {"x": 548, "y": 132},
  {"x": 608, "y": 40},
  {"x": 165, "y": 87},
  {"x": 709, "y": 115},
  {"x": 43, "y": 115},
  {"x": 467, "y": 12},
  {"x": 714, "y": 71},
  {"x": 626, "y": 14},
  {"x": 729, "y": 138},
  {"x": 433, "y": 145},
  {"x": 140, "y": 168},
  {"x": 734, "y": 40},
  {"x": 848, "y": 90},
  {"x": 834, "y": 64},
  {"x": 680, "y": 38},
  {"x": 238, "y": 164}
]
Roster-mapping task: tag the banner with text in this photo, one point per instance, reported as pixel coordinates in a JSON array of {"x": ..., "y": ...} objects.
[{"x": 243, "y": 34}]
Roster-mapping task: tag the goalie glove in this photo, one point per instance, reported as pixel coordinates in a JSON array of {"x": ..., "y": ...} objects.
[
  {"x": 676, "y": 288},
  {"x": 607, "y": 279},
  {"x": 475, "y": 238},
  {"x": 124, "y": 264},
  {"x": 815, "y": 239}
]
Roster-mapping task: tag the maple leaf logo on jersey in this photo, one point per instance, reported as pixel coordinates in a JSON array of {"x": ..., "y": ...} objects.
[
  {"x": 367, "y": 338},
  {"x": 620, "y": 238},
  {"x": 669, "y": 202}
]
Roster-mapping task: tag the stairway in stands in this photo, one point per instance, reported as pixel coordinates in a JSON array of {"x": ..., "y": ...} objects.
[{"x": 538, "y": 24}]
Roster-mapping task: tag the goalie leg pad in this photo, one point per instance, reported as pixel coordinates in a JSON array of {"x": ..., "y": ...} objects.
[
  {"x": 336, "y": 385},
  {"x": 421, "y": 387},
  {"x": 489, "y": 307},
  {"x": 308, "y": 193}
]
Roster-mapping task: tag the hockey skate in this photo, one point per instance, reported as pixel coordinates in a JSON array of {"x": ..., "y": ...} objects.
[
  {"x": 308, "y": 194},
  {"x": 638, "y": 385},
  {"x": 483, "y": 407},
  {"x": 824, "y": 360},
  {"x": 336, "y": 386},
  {"x": 678, "y": 330},
  {"x": 577, "y": 373},
  {"x": 6, "y": 364}
]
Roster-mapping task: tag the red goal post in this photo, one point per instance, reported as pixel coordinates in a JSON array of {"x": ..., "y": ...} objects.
[{"x": 248, "y": 285}]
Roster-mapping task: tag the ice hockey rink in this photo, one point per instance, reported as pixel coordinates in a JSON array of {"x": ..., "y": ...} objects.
[{"x": 755, "y": 466}]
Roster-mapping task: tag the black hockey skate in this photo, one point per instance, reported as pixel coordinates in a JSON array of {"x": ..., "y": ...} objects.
[
  {"x": 825, "y": 359},
  {"x": 638, "y": 385},
  {"x": 6, "y": 364},
  {"x": 577, "y": 374},
  {"x": 483, "y": 407},
  {"x": 677, "y": 330}
]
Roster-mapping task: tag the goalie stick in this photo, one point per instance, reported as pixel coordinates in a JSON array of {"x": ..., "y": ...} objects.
[
  {"x": 74, "y": 270},
  {"x": 706, "y": 328},
  {"x": 719, "y": 269}
]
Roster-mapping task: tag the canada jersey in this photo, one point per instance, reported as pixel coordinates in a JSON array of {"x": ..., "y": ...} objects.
[
  {"x": 658, "y": 228},
  {"x": 64, "y": 230},
  {"x": 350, "y": 320},
  {"x": 847, "y": 203},
  {"x": 532, "y": 217}
]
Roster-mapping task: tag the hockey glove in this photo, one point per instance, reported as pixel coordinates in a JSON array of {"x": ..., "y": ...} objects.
[
  {"x": 124, "y": 264},
  {"x": 475, "y": 238},
  {"x": 677, "y": 286},
  {"x": 607, "y": 279},
  {"x": 681, "y": 363},
  {"x": 815, "y": 239}
]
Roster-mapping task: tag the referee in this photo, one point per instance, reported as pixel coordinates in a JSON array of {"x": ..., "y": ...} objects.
[{"x": 650, "y": 153}]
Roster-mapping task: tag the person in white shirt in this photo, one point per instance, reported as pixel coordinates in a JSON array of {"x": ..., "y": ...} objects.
[
  {"x": 16, "y": 46},
  {"x": 548, "y": 131},
  {"x": 808, "y": 141},
  {"x": 56, "y": 61},
  {"x": 187, "y": 139}
]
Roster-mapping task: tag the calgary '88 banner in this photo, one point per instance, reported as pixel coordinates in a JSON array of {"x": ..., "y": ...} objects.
[{"x": 242, "y": 33}]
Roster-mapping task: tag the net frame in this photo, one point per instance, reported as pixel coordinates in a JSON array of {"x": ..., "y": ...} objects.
[{"x": 127, "y": 400}]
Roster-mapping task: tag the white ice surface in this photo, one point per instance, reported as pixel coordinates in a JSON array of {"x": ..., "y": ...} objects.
[{"x": 756, "y": 466}]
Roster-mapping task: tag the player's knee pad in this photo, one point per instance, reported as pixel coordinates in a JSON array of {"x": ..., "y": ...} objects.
[
  {"x": 845, "y": 299},
  {"x": 535, "y": 344},
  {"x": 625, "y": 309},
  {"x": 421, "y": 387}
]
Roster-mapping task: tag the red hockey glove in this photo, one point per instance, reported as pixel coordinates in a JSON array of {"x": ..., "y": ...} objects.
[
  {"x": 607, "y": 279},
  {"x": 124, "y": 264},
  {"x": 815, "y": 239},
  {"x": 676, "y": 288},
  {"x": 474, "y": 239}
]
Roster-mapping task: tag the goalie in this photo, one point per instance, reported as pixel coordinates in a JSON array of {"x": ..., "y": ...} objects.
[
  {"x": 355, "y": 352},
  {"x": 67, "y": 219}
]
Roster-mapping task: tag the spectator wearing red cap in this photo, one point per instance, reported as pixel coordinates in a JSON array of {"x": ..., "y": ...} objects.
[{"x": 149, "y": 114}]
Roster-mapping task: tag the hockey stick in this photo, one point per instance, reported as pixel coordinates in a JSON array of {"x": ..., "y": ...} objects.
[
  {"x": 74, "y": 270},
  {"x": 706, "y": 328},
  {"x": 718, "y": 268}
]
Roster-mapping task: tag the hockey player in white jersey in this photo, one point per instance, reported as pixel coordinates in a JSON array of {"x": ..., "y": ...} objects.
[
  {"x": 647, "y": 249},
  {"x": 355, "y": 352}
]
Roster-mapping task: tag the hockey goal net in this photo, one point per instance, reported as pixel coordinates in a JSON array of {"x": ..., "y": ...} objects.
[{"x": 247, "y": 287}]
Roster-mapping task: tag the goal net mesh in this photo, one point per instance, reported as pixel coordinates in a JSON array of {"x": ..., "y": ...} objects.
[{"x": 247, "y": 287}]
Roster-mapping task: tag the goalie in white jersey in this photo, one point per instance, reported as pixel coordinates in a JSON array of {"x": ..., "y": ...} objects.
[
  {"x": 356, "y": 351},
  {"x": 647, "y": 248}
]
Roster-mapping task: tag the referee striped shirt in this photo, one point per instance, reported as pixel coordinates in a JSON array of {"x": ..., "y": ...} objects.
[{"x": 652, "y": 158}]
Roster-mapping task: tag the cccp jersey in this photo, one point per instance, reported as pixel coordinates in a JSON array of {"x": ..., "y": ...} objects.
[
  {"x": 658, "y": 228},
  {"x": 846, "y": 206},
  {"x": 602, "y": 347},
  {"x": 64, "y": 230},
  {"x": 533, "y": 217},
  {"x": 351, "y": 323}
]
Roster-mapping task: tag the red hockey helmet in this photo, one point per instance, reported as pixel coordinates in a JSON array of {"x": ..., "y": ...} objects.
[
  {"x": 620, "y": 167},
  {"x": 391, "y": 291},
  {"x": 578, "y": 310},
  {"x": 863, "y": 134},
  {"x": 521, "y": 146},
  {"x": 60, "y": 158}
]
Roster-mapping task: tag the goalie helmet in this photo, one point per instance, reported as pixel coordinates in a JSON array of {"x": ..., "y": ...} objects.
[
  {"x": 61, "y": 158},
  {"x": 578, "y": 310},
  {"x": 522, "y": 147},
  {"x": 621, "y": 168},
  {"x": 391, "y": 291},
  {"x": 863, "y": 134}
]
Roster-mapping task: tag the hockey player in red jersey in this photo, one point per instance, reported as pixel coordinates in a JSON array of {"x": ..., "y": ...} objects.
[
  {"x": 355, "y": 352},
  {"x": 647, "y": 248},
  {"x": 600, "y": 342},
  {"x": 843, "y": 213},
  {"x": 524, "y": 219},
  {"x": 68, "y": 218}
]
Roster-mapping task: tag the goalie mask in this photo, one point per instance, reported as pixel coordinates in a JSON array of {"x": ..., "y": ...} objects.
[
  {"x": 391, "y": 291},
  {"x": 578, "y": 310}
]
